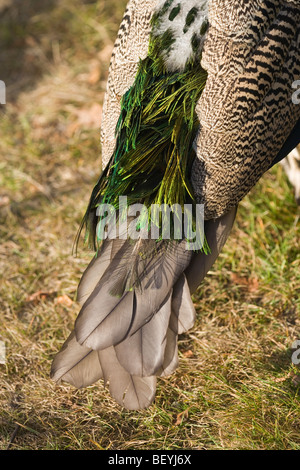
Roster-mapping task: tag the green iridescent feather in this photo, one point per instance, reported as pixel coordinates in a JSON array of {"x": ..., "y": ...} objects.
[{"x": 157, "y": 126}]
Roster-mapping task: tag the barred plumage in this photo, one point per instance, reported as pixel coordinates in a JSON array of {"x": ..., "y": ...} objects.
[{"x": 135, "y": 295}]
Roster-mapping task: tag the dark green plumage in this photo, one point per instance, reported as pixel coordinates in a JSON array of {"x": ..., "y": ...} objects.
[{"x": 157, "y": 126}]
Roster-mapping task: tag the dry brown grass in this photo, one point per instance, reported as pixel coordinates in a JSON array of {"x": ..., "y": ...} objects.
[{"x": 236, "y": 387}]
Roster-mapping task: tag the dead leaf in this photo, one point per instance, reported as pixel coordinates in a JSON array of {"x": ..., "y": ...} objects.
[
  {"x": 251, "y": 284},
  {"x": 296, "y": 380},
  {"x": 280, "y": 379},
  {"x": 37, "y": 296},
  {"x": 4, "y": 201},
  {"x": 260, "y": 221},
  {"x": 181, "y": 416},
  {"x": 188, "y": 353},
  {"x": 64, "y": 300},
  {"x": 7, "y": 248}
]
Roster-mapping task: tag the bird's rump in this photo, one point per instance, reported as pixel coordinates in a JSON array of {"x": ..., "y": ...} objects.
[{"x": 200, "y": 131}]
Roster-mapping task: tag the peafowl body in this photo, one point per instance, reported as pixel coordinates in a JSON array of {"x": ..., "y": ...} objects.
[{"x": 198, "y": 107}]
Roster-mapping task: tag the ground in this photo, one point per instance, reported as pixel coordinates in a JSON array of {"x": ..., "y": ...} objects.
[{"x": 236, "y": 386}]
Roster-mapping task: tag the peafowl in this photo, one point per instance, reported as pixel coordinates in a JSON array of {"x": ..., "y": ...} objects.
[{"x": 198, "y": 107}]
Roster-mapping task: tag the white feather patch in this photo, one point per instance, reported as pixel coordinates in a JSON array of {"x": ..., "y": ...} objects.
[{"x": 181, "y": 50}]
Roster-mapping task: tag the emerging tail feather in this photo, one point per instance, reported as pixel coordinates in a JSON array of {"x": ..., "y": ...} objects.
[
  {"x": 131, "y": 339},
  {"x": 76, "y": 364},
  {"x": 135, "y": 294},
  {"x": 121, "y": 316},
  {"x": 132, "y": 392}
]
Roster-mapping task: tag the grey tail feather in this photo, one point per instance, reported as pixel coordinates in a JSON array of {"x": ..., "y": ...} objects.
[
  {"x": 217, "y": 231},
  {"x": 130, "y": 339}
]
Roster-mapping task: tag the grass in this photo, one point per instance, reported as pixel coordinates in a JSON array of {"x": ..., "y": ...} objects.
[{"x": 236, "y": 387}]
